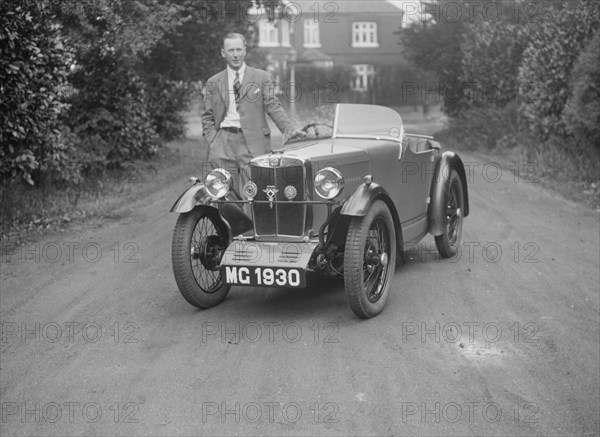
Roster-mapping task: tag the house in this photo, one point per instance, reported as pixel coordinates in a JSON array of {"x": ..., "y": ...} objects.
[{"x": 323, "y": 34}]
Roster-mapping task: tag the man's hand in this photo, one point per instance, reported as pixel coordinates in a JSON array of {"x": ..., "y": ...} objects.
[{"x": 295, "y": 134}]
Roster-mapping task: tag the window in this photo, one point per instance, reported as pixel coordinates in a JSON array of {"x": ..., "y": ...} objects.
[
  {"x": 364, "y": 34},
  {"x": 267, "y": 34},
  {"x": 311, "y": 34},
  {"x": 362, "y": 72}
]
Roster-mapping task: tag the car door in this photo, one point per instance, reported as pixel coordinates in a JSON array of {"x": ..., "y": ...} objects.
[{"x": 417, "y": 166}]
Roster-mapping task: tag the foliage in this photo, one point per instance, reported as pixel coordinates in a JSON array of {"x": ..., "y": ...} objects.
[
  {"x": 582, "y": 112},
  {"x": 487, "y": 128},
  {"x": 402, "y": 85},
  {"x": 34, "y": 64},
  {"x": 435, "y": 45},
  {"x": 110, "y": 110},
  {"x": 491, "y": 58},
  {"x": 192, "y": 51},
  {"x": 548, "y": 62},
  {"x": 166, "y": 99}
]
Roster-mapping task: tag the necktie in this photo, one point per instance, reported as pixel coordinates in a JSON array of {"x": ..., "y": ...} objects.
[{"x": 236, "y": 89}]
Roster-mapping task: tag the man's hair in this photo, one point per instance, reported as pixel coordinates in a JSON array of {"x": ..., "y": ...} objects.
[{"x": 233, "y": 35}]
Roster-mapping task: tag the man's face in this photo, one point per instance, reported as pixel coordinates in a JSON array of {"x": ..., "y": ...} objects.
[{"x": 234, "y": 52}]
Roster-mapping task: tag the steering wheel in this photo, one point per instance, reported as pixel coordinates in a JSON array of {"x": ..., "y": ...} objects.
[{"x": 315, "y": 125}]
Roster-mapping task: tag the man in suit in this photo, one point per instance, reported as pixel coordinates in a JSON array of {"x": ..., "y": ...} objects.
[{"x": 234, "y": 121}]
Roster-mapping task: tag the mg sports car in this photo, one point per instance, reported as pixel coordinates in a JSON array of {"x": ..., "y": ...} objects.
[{"x": 345, "y": 201}]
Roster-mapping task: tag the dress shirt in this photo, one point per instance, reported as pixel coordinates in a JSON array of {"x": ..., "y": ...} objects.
[{"x": 232, "y": 118}]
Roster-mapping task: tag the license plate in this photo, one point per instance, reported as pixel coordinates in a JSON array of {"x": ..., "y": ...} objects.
[{"x": 264, "y": 276}]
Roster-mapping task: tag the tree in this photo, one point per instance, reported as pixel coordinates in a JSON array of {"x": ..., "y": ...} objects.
[
  {"x": 434, "y": 45},
  {"x": 191, "y": 52},
  {"x": 110, "y": 112},
  {"x": 548, "y": 64}
]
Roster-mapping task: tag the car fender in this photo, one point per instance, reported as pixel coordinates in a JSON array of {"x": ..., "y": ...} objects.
[
  {"x": 234, "y": 217},
  {"x": 195, "y": 195},
  {"x": 438, "y": 201},
  {"x": 358, "y": 204}
]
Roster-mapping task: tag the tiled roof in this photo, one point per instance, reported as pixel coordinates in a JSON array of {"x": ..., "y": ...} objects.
[
  {"x": 312, "y": 55},
  {"x": 350, "y": 6}
]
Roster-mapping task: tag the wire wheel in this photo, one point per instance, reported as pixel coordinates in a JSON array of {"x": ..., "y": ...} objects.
[
  {"x": 199, "y": 241},
  {"x": 376, "y": 258},
  {"x": 370, "y": 260},
  {"x": 447, "y": 243}
]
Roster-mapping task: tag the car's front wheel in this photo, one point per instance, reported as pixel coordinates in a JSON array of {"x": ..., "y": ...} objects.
[
  {"x": 199, "y": 241},
  {"x": 370, "y": 260}
]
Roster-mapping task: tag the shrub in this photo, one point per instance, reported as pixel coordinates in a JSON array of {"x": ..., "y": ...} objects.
[
  {"x": 34, "y": 63},
  {"x": 492, "y": 55},
  {"x": 487, "y": 128},
  {"x": 399, "y": 85},
  {"x": 109, "y": 111},
  {"x": 548, "y": 62},
  {"x": 166, "y": 101},
  {"x": 582, "y": 112}
]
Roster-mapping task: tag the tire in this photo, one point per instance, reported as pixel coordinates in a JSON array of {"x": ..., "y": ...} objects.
[
  {"x": 199, "y": 240},
  {"x": 370, "y": 260},
  {"x": 447, "y": 244}
]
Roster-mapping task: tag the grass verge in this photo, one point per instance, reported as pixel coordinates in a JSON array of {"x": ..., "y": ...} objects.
[
  {"x": 29, "y": 213},
  {"x": 566, "y": 168}
]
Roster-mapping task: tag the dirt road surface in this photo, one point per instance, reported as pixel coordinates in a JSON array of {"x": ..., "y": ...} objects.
[{"x": 502, "y": 340}]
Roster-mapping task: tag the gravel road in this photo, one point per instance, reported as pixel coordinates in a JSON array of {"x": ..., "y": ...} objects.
[{"x": 502, "y": 340}]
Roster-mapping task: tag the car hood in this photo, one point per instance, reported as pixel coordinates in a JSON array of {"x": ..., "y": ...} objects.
[{"x": 334, "y": 152}]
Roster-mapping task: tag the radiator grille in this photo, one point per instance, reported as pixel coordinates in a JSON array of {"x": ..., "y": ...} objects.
[{"x": 281, "y": 219}]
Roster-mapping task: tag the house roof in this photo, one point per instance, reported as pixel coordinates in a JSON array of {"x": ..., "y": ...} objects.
[
  {"x": 350, "y": 6},
  {"x": 313, "y": 55}
]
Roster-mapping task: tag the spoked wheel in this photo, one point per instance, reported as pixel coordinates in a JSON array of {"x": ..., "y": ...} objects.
[
  {"x": 447, "y": 243},
  {"x": 370, "y": 260},
  {"x": 199, "y": 241}
]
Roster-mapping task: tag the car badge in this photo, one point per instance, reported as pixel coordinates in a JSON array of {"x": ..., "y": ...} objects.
[
  {"x": 290, "y": 192},
  {"x": 274, "y": 161},
  {"x": 270, "y": 191},
  {"x": 250, "y": 190}
]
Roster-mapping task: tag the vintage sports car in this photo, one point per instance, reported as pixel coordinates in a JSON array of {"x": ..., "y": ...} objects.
[{"x": 346, "y": 204}]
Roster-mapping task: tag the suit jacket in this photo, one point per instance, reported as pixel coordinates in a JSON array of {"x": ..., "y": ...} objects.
[{"x": 257, "y": 99}]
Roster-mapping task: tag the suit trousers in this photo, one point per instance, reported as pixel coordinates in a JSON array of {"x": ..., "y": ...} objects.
[{"x": 229, "y": 151}]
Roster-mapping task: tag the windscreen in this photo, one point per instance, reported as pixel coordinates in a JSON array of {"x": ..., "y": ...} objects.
[{"x": 370, "y": 120}]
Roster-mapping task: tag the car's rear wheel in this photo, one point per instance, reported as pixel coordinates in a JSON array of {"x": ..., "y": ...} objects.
[
  {"x": 199, "y": 241},
  {"x": 448, "y": 243},
  {"x": 370, "y": 260}
]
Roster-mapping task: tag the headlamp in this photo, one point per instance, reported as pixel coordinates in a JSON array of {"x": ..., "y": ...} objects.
[
  {"x": 329, "y": 183},
  {"x": 218, "y": 183}
]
